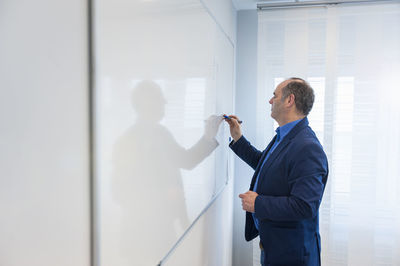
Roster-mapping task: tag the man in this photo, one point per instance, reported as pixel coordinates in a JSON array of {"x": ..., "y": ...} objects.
[{"x": 289, "y": 180}]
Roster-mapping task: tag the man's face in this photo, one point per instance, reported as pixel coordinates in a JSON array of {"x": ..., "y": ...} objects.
[{"x": 276, "y": 101}]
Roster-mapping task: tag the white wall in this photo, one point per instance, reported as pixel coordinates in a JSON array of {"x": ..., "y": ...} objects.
[
  {"x": 44, "y": 192},
  {"x": 246, "y": 92},
  {"x": 44, "y": 196}
]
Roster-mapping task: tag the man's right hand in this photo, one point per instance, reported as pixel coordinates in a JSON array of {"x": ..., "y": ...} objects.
[{"x": 234, "y": 126}]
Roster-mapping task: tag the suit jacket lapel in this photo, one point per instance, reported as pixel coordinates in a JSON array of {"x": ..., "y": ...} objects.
[
  {"x": 281, "y": 146},
  {"x": 265, "y": 152},
  {"x": 272, "y": 158}
]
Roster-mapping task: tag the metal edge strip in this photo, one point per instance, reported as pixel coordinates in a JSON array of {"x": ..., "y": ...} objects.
[{"x": 91, "y": 133}]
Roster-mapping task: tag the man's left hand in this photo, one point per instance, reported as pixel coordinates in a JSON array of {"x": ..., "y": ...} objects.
[{"x": 248, "y": 200}]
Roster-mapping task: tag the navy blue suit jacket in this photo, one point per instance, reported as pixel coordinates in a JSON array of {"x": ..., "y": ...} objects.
[{"x": 290, "y": 188}]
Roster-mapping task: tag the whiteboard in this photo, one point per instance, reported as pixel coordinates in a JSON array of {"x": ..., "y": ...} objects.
[{"x": 163, "y": 69}]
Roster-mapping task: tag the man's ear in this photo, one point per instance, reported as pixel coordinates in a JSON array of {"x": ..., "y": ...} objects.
[{"x": 291, "y": 100}]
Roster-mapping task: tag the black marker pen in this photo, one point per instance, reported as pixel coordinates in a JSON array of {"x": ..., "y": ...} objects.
[{"x": 227, "y": 117}]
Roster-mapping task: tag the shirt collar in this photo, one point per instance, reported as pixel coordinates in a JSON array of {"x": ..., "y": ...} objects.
[{"x": 282, "y": 131}]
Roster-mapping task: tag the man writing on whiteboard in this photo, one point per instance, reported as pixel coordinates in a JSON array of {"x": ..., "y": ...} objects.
[{"x": 288, "y": 183}]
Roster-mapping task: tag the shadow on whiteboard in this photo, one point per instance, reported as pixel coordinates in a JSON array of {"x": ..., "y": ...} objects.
[{"x": 147, "y": 180}]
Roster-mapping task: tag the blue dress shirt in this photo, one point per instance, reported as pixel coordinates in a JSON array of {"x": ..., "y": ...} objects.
[{"x": 281, "y": 132}]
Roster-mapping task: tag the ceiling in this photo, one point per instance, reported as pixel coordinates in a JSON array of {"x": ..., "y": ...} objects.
[
  {"x": 252, "y": 4},
  {"x": 245, "y": 4}
]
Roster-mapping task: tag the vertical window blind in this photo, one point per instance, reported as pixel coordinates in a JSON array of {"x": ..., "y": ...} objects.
[{"x": 351, "y": 57}]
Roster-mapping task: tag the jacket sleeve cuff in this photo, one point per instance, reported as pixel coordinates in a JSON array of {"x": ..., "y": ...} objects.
[{"x": 234, "y": 145}]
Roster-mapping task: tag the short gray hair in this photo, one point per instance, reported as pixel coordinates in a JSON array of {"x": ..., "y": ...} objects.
[{"x": 303, "y": 94}]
